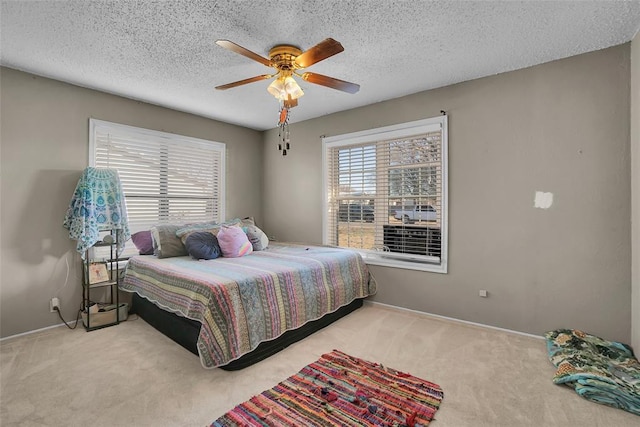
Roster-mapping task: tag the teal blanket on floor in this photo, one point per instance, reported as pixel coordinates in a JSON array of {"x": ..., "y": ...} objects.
[{"x": 603, "y": 371}]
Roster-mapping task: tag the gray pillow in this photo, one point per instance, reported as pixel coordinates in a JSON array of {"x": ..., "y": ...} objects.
[
  {"x": 165, "y": 242},
  {"x": 257, "y": 237}
]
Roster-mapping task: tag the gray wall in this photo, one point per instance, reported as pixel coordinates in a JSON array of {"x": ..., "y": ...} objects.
[
  {"x": 44, "y": 134},
  {"x": 635, "y": 192},
  {"x": 560, "y": 127}
]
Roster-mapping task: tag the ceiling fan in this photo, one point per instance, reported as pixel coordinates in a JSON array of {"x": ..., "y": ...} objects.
[{"x": 288, "y": 60}]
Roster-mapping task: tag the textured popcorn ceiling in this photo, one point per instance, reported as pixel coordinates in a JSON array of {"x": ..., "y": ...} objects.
[{"x": 163, "y": 52}]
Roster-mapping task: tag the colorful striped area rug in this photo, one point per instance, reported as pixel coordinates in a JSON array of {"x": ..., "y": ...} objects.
[{"x": 341, "y": 390}]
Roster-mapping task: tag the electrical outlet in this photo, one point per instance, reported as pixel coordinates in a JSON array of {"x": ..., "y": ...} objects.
[{"x": 53, "y": 304}]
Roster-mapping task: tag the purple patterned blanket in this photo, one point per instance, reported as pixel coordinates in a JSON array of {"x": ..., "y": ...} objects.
[{"x": 242, "y": 302}]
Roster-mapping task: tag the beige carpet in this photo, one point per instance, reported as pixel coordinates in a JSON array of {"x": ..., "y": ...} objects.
[{"x": 131, "y": 374}]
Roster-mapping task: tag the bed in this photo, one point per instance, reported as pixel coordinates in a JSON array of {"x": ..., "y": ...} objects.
[{"x": 233, "y": 312}]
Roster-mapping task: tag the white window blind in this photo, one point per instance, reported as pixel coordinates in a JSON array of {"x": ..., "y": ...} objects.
[
  {"x": 166, "y": 178},
  {"x": 386, "y": 194}
]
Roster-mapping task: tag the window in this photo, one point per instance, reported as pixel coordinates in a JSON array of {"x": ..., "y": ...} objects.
[
  {"x": 165, "y": 177},
  {"x": 386, "y": 194}
]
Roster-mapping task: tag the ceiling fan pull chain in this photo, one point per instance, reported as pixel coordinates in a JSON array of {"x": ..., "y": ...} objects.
[{"x": 283, "y": 134}]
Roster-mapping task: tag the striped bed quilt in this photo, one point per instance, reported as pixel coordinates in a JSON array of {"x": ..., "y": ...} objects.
[{"x": 244, "y": 301}]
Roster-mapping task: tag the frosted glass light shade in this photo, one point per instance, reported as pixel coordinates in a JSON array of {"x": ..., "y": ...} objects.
[
  {"x": 285, "y": 88},
  {"x": 292, "y": 89},
  {"x": 276, "y": 88}
]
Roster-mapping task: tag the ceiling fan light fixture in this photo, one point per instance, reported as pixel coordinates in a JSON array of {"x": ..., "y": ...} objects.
[
  {"x": 285, "y": 88},
  {"x": 287, "y": 60}
]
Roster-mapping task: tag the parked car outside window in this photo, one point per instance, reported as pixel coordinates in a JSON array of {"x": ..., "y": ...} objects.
[
  {"x": 416, "y": 213},
  {"x": 355, "y": 212}
]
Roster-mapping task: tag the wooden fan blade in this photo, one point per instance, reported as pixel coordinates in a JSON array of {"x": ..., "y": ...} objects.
[
  {"x": 322, "y": 50},
  {"x": 245, "y": 81},
  {"x": 243, "y": 51},
  {"x": 331, "y": 82}
]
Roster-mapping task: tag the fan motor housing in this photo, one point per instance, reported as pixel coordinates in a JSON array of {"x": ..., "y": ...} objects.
[{"x": 283, "y": 56}]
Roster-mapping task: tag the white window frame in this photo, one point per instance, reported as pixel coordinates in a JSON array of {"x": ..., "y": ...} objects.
[
  {"x": 388, "y": 133},
  {"x": 169, "y": 138}
]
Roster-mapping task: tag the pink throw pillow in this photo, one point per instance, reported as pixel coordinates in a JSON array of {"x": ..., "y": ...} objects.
[{"x": 234, "y": 242}]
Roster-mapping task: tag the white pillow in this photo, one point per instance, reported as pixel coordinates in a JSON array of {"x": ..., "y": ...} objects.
[{"x": 257, "y": 237}]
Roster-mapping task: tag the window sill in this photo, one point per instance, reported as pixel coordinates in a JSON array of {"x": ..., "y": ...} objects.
[{"x": 373, "y": 259}]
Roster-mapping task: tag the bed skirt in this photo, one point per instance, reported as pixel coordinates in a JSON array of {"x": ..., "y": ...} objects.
[{"x": 186, "y": 331}]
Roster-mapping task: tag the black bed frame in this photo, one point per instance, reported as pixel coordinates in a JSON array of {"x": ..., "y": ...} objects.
[{"x": 185, "y": 331}]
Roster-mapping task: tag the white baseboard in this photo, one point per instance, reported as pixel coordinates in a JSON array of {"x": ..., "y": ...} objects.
[
  {"x": 452, "y": 319},
  {"x": 71, "y": 323},
  {"x": 392, "y": 307}
]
